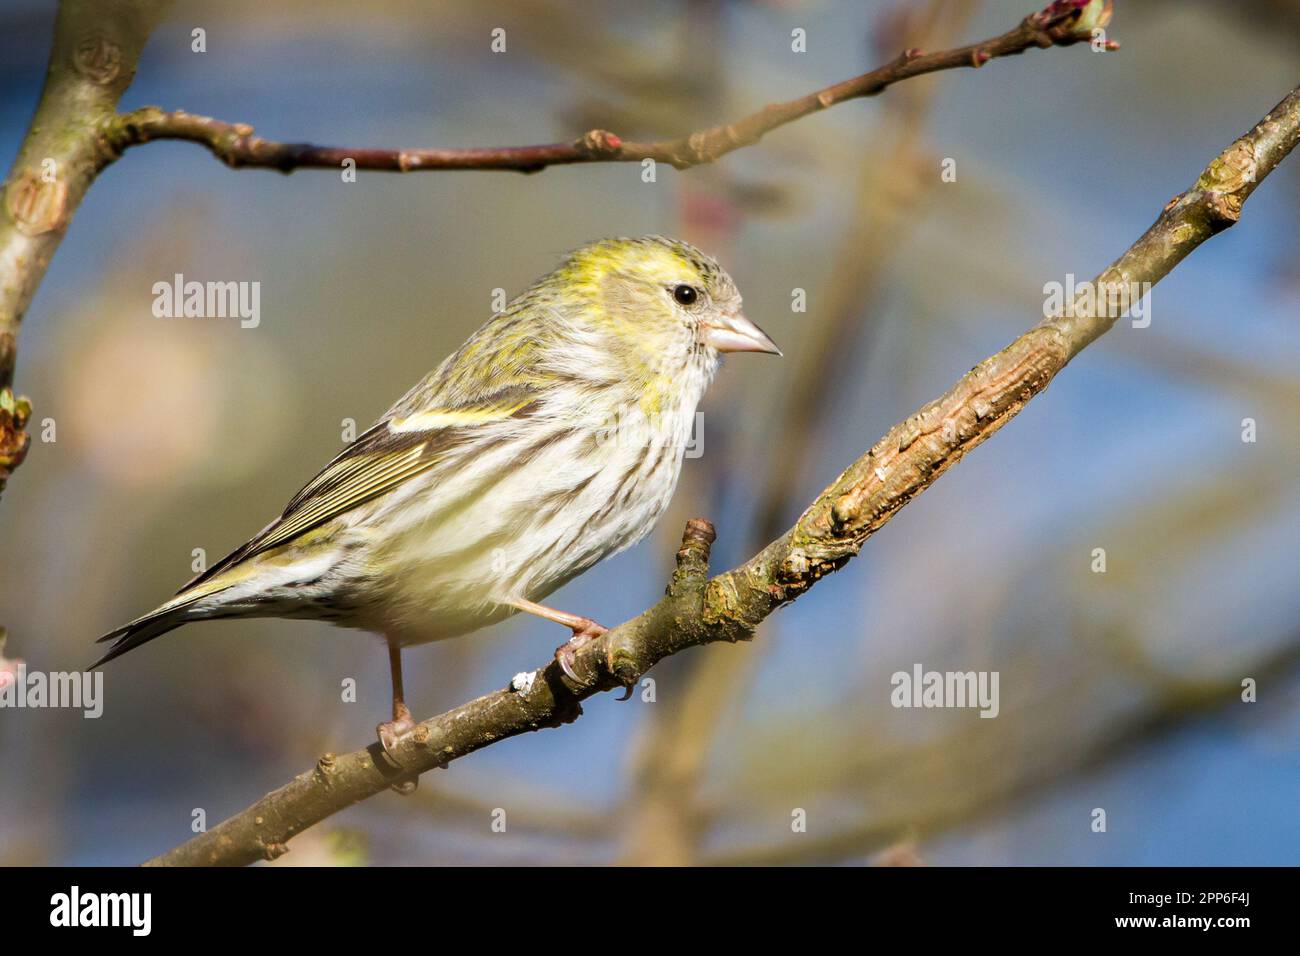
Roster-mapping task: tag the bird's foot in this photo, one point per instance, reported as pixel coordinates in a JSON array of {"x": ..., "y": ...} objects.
[
  {"x": 584, "y": 631},
  {"x": 389, "y": 733}
]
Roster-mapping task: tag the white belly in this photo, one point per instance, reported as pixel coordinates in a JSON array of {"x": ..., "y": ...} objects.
[{"x": 449, "y": 572}]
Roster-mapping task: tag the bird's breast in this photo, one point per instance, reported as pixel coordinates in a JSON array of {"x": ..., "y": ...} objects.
[{"x": 528, "y": 514}]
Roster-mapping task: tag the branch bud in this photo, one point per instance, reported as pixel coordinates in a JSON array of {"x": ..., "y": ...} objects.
[{"x": 1068, "y": 21}]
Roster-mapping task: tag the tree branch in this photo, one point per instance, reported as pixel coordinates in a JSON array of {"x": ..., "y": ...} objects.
[
  {"x": 1060, "y": 24},
  {"x": 92, "y": 61},
  {"x": 697, "y": 610}
]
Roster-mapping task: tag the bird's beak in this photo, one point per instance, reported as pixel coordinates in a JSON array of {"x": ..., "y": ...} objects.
[{"x": 735, "y": 333}]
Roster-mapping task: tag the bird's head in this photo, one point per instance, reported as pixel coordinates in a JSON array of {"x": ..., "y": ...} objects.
[{"x": 662, "y": 301}]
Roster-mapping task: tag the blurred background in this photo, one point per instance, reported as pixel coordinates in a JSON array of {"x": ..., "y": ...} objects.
[{"x": 1119, "y": 690}]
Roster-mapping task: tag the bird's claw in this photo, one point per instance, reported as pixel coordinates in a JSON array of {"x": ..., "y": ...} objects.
[
  {"x": 564, "y": 656},
  {"x": 389, "y": 734},
  {"x": 566, "y": 653}
]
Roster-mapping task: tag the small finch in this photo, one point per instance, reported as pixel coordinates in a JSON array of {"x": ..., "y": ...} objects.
[{"x": 550, "y": 440}]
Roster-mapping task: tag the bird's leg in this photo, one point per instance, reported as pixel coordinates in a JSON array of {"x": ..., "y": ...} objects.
[
  {"x": 402, "y": 722},
  {"x": 584, "y": 630}
]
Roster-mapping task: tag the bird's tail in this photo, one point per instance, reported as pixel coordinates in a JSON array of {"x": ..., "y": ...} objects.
[{"x": 156, "y": 623}]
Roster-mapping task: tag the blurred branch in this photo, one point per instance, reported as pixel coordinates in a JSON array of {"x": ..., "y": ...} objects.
[
  {"x": 1061, "y": 24},
  {"x": 698, "y": 610},
  {"x": 965, "y": 775},
  {"x": 551, "y": 815},
  {"x": 663, "y": 821}
]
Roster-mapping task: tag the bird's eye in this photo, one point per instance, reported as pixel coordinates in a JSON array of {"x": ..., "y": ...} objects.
[{"x": 685, "y": 294}]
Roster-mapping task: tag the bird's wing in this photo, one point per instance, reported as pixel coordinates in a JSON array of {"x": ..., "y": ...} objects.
[{"x": 394, "y": 450}]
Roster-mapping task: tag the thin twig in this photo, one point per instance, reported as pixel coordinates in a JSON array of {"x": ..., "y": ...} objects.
[
  {"x": 1061, "y": 24},
  {"x": 698, "y": 610}
]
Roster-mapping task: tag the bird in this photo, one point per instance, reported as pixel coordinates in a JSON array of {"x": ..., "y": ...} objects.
[{"x": 550, "y": 440}]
